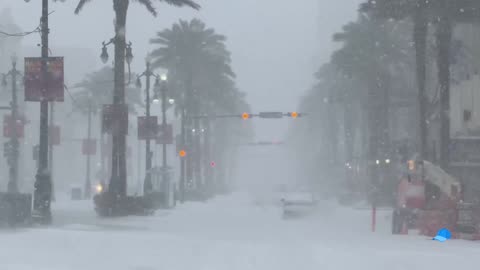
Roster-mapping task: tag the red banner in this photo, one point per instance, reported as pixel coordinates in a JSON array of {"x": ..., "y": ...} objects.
[
  {"x": 147, "y": 127},
  {"x": 9, "y": 124},
  {"x": 115, "y": 119},
  {"x": 89, "y": 147},
  {"x": 165, "y": 134},
  {"x": 37, "y": 87},
  {"x": 54, "y": 135}
]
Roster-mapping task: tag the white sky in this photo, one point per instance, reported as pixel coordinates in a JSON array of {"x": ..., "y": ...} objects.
[{"x": 276, "y": 44}]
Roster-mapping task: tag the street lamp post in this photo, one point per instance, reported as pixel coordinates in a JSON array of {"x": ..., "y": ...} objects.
[
  {"x": 123, "y": 52},
  {"x": 43, "y": 185},
  {"x": 147, "y": 184},
  {"x": 14, "y": 142},
  {"x": 88, "y": 184},
  {"x": 164, "y": 125}
]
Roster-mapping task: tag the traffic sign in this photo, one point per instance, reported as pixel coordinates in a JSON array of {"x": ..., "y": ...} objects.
[{"x": 271, "y": 115}]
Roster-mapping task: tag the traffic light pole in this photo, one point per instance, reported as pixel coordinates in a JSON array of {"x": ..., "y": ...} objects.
[
  {"x": 43, "y": 186},
  {"x": 182, "y": 159}
]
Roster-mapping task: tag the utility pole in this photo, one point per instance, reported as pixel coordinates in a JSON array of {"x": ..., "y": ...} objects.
[{"x": 43, "y": 185}]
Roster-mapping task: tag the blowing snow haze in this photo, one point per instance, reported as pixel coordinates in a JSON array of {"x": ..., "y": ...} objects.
[{"x": 265, "y": 135}]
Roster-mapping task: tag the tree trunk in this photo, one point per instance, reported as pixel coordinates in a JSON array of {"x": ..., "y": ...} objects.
[
  {"x": 444, "y": 39},
  {"x": 420, "y": 38},
  {"x": 118, "y": 183}
]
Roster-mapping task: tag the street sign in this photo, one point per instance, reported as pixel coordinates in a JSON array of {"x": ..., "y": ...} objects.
[
  {"x": 165, "y": 134},
  {"x": 54, "y": 135},
  {"x": 147, "y": 127},
  {"x": 271, "y": 115},
  {"x": 9, "y": 124},
  {"x": 115, "y": 119},
  {"x": 38, "y": 88},
  {"x": 89, "y": 147}
]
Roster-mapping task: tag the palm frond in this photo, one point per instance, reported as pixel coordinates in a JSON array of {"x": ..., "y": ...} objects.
[
  {"x": 80, "y": 5},
  {"x": 148, "y": 5},
  {"x": 180, "y": 3}
]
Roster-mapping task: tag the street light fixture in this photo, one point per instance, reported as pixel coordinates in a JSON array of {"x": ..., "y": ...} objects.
[
  {"x": 104, "y": 55},
  {"x": 171, "y": 101},
  {"x": 128, "y": 53}
]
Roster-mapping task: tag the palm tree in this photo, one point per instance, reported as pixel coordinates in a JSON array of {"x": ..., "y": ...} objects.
[
  {"x": 199, "y": 68},
  {"x": 194, "y": 55},
  {"x": 118, "y": 183},
  {"x": 97, "y": 90},
  {"x": 418, "y": 11},
  {"x": 444, "y": 13}
]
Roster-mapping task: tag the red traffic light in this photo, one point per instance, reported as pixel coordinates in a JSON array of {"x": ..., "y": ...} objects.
[
  {"x": 182, "y": 153},
  {"x": 213, "y": 164},
  {"x": 245, "y": 116}
]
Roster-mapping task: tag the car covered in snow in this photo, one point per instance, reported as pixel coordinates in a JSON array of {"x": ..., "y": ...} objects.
[{"x": 298, "y": 204}]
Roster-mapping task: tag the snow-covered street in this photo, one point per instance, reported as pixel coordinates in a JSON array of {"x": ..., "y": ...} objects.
[{"x": 227, "y": 233}]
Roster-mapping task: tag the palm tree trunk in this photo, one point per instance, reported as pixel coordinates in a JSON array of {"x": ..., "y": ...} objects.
[
  {"x": 420, "y": 38},
  {"x": 444, "y": 39},
  {"x": 118, "y": 183}
]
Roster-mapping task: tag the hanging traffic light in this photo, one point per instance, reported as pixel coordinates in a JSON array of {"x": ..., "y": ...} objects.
[
  {"x": 182, "y": 153},
  {"x": 246, "y": 116},
  {"x": 293, "y": 114},
  {"x": 213, "y": 164}
]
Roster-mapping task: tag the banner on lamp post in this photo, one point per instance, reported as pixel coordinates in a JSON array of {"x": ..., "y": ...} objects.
[
  {"x": 9, "y": 124},
  {"x": 39, "y": 88},
  {"x": 115, "y": 119},
  {"x": 147, "y": 127}
]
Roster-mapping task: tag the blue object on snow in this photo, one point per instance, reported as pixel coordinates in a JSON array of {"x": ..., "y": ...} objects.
[{"x": 443, "y": 235}]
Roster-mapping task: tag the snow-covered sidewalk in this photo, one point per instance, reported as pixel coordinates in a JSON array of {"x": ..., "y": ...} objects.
[{"x": 227, "y": 233}]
